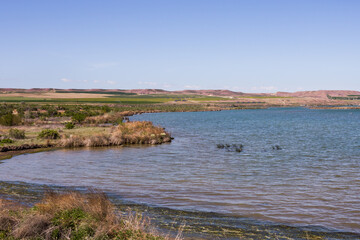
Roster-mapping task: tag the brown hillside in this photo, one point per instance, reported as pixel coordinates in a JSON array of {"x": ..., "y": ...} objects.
[{"x": 318, "y": 94}]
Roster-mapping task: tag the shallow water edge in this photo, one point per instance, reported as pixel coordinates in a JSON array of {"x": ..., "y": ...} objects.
[{"x": 196, "y": 224}]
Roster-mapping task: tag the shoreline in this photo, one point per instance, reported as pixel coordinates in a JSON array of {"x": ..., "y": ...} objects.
[
  {"x": 42, "y": 139},
  {"x": 194, "y": 224},
  {"x": 9, "y": 154}
]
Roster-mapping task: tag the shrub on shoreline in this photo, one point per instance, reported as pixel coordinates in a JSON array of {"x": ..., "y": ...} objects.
[
  {"x": 17, "y": 133},
  {"x": 78, "y": 117},
  {"x": 49, "y": 134},
  {"x": 6, "y": 140},
  {"x": 69, "y": 125},
  {"x": 10, "y": 119}
]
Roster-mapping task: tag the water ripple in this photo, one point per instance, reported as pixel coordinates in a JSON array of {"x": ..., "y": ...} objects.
[{"x": 313, "y": 180}]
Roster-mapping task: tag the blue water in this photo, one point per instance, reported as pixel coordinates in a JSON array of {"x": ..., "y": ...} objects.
[{"x": 314, "y": 179}]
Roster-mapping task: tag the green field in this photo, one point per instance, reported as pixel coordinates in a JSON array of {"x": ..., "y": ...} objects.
[
  {"x": 126, "y": 99},
  {"x": 97, "y": 92},
  {"x": 262, "y": 97}
]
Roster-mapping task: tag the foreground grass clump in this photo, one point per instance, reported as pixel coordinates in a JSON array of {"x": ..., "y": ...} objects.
[{"x": 73, "y": 216}]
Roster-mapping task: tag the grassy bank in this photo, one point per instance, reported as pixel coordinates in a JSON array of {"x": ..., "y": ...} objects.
[
  {"x": 38, "y": 138},
  {"x": 91, "y": 125},
  {"x": 73, "y": 216},
  {"x": 139, "y": 132}
]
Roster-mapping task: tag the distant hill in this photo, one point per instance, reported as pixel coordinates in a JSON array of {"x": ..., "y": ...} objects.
[
  {"x": 313, "y": 94},
  {"x": 135, "y": 91},
  {"x": 318, "y": 94},
  {"x": 210, "y": 92}
]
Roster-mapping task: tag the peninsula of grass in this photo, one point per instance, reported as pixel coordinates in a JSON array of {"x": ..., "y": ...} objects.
[
  {"x": 137, "y": 132},
  {"x": 31, "y": 127},
  {"x": 74, "y": 216},
  {"x": 24, "y": 128}
]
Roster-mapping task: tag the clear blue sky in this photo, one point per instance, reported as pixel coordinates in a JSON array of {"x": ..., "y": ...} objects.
[{"x": 251, "y": 46}]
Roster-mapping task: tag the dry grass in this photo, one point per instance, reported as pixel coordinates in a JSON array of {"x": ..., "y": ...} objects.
[
  {"x": 74, "y": 216},
  {"x": 71, "y": 142},
  {"x": 139, "y": 132},
  {"x": 98, "y": 141},
  {"x": 124, "y": 133},
  {"x": 142, "y": 132},
  {"x": 112, "y": 117}
]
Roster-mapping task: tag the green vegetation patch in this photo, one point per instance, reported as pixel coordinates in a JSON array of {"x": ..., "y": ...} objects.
[
  {"x": 122, "y": 100},
  {"x": 17, "y": 133},
  {"x": 6, "y": 140},
  {"x": 49, "y": 134},
  {"x": 69, "y": 125},
  {"x": 208, "y": 98},
  {"x": 10, "y": 119},
  {"x": 98, "y": 92},
  {"x": 263, "y": 97}
]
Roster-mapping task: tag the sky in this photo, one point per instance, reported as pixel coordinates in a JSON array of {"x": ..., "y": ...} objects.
[{"x": 248, "y": 46}]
